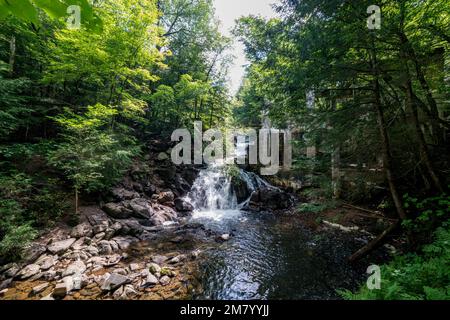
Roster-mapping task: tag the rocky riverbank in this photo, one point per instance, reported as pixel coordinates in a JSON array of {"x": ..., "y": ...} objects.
[{"x": 136, "y": 243}]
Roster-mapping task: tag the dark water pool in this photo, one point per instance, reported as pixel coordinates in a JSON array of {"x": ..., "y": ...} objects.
[{"x": 269, "y": 257}]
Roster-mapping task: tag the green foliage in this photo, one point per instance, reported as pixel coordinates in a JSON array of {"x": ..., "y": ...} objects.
[
  {"x": 92, "y": 157},
  {"x": 28, "y": 11},
  {"x": 426, "y": 213},
  {"x": 312, "y": 207},
  {"x": 15, "y": 232},
  {"x": 421, "y": 276}
]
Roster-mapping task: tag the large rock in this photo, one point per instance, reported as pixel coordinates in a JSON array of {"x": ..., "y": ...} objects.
[
  {"x": 183, "y": 206},
  {"x": 29, "y": 271},
  {"x": 82, "y": 230},
  {"x": 59, "y": 247},
  {"x": 114, "y": 281},
  {"x": 33, "y": 251},
  {"x": 60, "y": 291},
  {"x": 75, "y": 267},
  {"x": 117, "y": 210},
  {"x": 121, "y": 194},
  {"x": 124, "y": 242},
  {"x": 141, "y": 208},
  {"x": 162, "y": 215},
  {"x": 46, "y": 262},
  {"x": 270, "y": 199},
  {"x": 165, "y": 197},
  {"x": 150, "y": 281}
]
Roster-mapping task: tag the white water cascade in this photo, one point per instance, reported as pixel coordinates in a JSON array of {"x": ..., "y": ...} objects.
[{"x": 212, "y": 194}]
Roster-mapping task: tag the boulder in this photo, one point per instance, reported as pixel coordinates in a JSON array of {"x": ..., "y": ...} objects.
[
  {"x": 121, "y": 194},
  {"x": 154, "y": 268},
  {"x": 60, "y": 291},
  {"x": 183, "y": 206},
  {"x": 105, "y": 247},
  {"x": 141, "y": 208},
  {"x": 59, "y": 247},
  {"x": 270, "y": 199},
  {"x": 82, "y": 230},
  {"x": 77, "y": 267},
  {"x": 117, "y": 210},
  {"x": 150, "y": 281},
  {"x": 46, "y": 262},
  {"x": 124, "y": 242},
  {"x": 29, "y": 271},
  {"x": 165, "y": 280},
  {"x": 33, "y": 251},
  {"x": 162, "y": 215},
  {"x": 165, "y": 197},
  {"x": 114, "y": 281}
]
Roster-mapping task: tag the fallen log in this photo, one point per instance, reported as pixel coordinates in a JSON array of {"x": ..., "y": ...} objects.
[
  {"x": 372, "y": 214},
  {"x": 375, "y": 243}
]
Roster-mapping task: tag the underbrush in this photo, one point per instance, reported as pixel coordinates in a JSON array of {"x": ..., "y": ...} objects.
[{"x": 424, "y": 275}]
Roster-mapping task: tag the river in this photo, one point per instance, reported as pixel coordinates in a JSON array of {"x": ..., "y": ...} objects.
[{"x": 268, "y": 256}]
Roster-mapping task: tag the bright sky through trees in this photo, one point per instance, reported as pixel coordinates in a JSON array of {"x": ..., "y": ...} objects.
[{"x": 230, "y": 10}]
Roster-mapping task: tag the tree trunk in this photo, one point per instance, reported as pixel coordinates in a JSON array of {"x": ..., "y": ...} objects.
[
  {"x": 12, "y": 55},
  {"x": 434, "y": 111},
  {"x": 423, "y": 148},
  {"x": 385, "y": 143},
  {"x": 76, "y": 200},
  {"x": 378, "y": 241}
]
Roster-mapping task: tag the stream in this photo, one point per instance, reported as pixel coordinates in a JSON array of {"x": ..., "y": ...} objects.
[{"x": 267, "y": 256}]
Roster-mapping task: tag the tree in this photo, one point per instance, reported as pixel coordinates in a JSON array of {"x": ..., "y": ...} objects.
[{"x": 91, "y": 156}]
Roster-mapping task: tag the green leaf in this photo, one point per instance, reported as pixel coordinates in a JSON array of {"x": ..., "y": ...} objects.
[
  {"x": 23, "y": 9},
  {"x": 54, "y": 8}
]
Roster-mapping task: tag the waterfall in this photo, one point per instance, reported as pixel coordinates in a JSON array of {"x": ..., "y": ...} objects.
[
  {"x": 213, "y": 195},
  {"x": 212, "y": 190}
]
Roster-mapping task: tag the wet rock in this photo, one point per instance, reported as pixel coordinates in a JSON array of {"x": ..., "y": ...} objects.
[
  {"x": 223, "y": 237},
  {"x": 40, "y": 288},
  {"x": 29, "y": 271},
  {"x": 117, "y": 210},
  {"x": 183, "y": 206},
  {"x": 75, "y": 267},
  {"x": 49, "y": 298},
  {"x": 163, "y": 215},
  {"x": 60, "y": 291},
  {"x": 165, "y": 280},
  {"x": 270, "y": 199},
  {"x": 114, "y": 281},
  {"x": 3, "y": 292},
  {"x": 82, "y": 230},
  {"x": 59, "y": 247}
]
